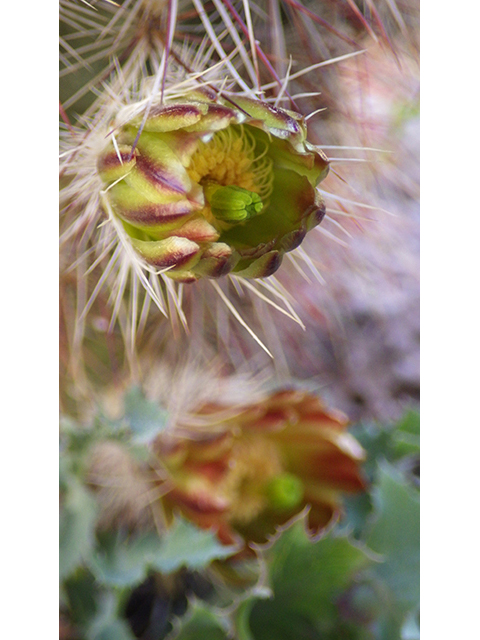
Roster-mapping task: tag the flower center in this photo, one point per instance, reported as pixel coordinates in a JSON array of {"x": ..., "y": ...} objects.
[
  {"x": 253, "y": 465},
  {"x": 257, "y": 481},
  {"x": 235, "y": 173}
]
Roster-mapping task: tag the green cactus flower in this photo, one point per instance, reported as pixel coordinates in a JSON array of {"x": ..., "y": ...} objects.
[{"x": 206, "y": 187}]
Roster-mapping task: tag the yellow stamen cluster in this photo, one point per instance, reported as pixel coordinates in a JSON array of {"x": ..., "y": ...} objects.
[
  {"x": 230, "y": 158},
  {"x": 254, "y": 462}
]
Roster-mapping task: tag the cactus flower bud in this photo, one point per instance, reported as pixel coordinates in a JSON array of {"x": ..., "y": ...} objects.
[
  {"x": 206, "y": 186},
  {"x": 251, "y": 472}
]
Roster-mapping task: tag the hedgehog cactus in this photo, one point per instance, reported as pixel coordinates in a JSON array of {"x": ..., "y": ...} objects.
[
  {"x": 206, "y": 186},
  {"x": 250, "y": 470}
]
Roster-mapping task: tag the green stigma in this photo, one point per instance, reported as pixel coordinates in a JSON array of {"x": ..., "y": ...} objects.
[
  {"x": 232, "y": 204},
  {"x": 285, "y": 492}
]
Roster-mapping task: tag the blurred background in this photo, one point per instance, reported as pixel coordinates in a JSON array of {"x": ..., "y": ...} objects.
[{"x": 363, "y": 332}]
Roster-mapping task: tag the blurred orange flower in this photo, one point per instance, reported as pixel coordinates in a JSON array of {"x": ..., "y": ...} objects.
[{"x": 249, "y": 470}]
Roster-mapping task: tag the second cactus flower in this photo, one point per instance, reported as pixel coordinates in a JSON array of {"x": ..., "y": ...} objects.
[{"x": 249, "y": 470}]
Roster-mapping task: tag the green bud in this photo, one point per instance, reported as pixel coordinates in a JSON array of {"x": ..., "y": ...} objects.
[
  {"x": 231, "y": 203},
  {"x": 285, "y": 492}
]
